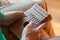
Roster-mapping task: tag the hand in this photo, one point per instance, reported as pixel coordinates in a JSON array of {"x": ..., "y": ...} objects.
[
  {"x": 33, "y": 34},
  {"x": 10, "y": 17}
]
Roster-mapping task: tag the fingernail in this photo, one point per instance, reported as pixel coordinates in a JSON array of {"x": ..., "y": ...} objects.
[{"x": 31, "y": 23}]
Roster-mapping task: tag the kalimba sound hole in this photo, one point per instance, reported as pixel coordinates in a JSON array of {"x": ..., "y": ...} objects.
[{"x": 26, "y": 23}]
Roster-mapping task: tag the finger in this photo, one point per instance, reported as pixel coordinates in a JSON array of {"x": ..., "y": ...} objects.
[
  {"x": 44, "y": 34},
  {"x": 30, "y": 25},
  {"x": 21, "y": 13},
  {"x": 13, "y": 15},
  {"x": 41, "y": 26},
  {"x": 27, "y": 28}
]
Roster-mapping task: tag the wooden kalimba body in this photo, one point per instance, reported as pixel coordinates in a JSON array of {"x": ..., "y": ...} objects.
[{"x": 37, "y": 15}]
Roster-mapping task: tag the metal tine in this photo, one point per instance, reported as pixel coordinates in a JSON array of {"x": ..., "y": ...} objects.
[
  {"x": 36, "y": 14},
  {"x": 39, "y": 16},
  {"x": 41, "y": 10}
]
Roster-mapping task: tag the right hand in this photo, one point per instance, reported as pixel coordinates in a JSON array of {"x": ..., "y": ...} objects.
[{"x": 34, "y": 34}]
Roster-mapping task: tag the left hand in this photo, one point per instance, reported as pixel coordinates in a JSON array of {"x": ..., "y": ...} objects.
[{"x": 10, "y": 17}]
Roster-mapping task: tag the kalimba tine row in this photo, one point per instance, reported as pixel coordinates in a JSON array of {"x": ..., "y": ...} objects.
[{"x": 35, "y": 14}]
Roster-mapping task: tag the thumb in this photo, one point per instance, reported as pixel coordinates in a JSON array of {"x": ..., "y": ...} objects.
[
  {"x": 41, "y": 26},
  {"x": 26, "y": 29},
  {"x": 21, "y": 13},
  {"x": 30, "y": 25}
]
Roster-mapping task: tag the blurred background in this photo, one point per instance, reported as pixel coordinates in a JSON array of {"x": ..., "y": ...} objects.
[{"x": 54, "y": 10}]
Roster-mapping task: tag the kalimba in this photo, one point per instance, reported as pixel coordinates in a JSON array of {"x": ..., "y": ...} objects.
[{"x": 36, "y": 14}]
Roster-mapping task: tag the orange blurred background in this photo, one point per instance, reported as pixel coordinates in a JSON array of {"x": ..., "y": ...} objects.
[{"x": 54, "y": 10}]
